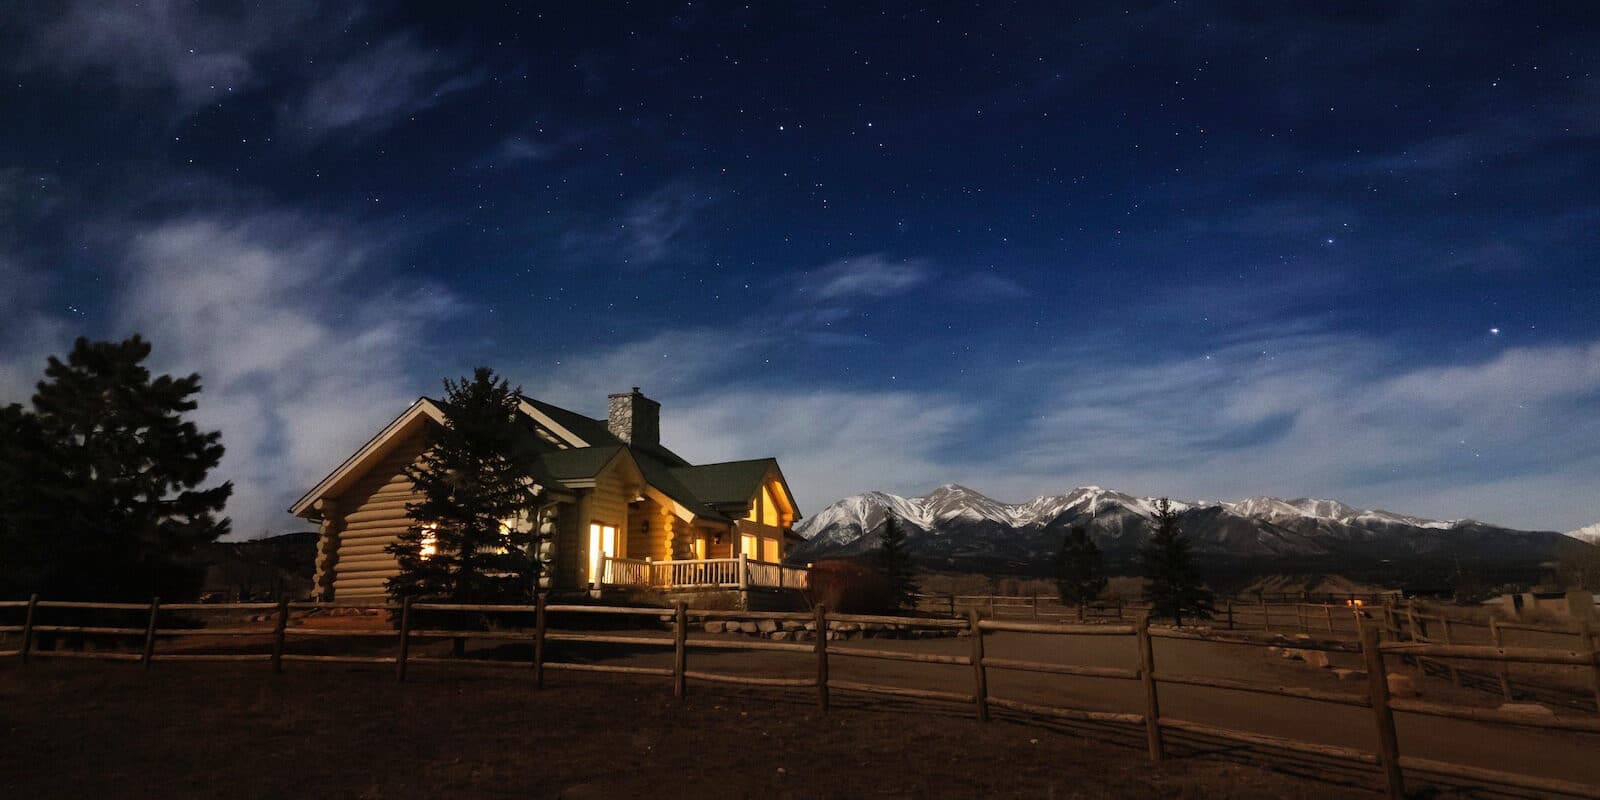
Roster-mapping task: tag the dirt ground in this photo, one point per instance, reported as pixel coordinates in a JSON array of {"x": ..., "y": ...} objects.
[
  {"x": 107, "y": 726},
  {"x": 199, "y": 730}
]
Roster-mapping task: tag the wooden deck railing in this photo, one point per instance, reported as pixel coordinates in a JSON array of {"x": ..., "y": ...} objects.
[
  {"x": 1154, "y": 724},
  {"x": 726, "y": 573}
]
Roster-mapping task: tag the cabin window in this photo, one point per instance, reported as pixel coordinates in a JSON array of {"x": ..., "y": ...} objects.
[
  {"x": 428, "y": 543},
  {"x": 700, "y": 548},
  {"x": 764, "y": 508},
  {"x": 602, "y": 545},
  {"x": 769, "y": 507},
  {"x": 750, "y": 546},
  {"x": 769, "y": 551}
]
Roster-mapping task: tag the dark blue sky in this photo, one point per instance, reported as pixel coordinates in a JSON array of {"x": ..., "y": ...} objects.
[{"x": 1207, "y": 250}]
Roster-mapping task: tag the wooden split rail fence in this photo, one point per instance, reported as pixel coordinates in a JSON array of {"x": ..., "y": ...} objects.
[{"x": 1154, "y": 724}]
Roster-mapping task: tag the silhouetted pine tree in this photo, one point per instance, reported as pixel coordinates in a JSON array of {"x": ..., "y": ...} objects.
[
  {"x": 1173, "y": 584},
  {"x": 101, "y": 497},
  {"x": 894, "y": 561},
  {"x": 475, "y": 478},
  {"x": 1080, "y": 570}
]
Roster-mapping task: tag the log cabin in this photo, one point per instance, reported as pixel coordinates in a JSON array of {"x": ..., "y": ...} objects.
[{"x": 618, "y": 508}]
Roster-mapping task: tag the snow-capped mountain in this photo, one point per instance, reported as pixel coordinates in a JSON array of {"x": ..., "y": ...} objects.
[
  {"x": 957, "y": 527},
  {"x": 1588, "y": 533}
]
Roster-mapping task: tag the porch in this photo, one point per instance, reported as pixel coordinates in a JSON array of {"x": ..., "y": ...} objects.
[{"x": 742, "y": 572}]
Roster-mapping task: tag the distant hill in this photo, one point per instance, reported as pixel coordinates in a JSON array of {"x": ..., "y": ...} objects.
[
  {"x": 261, "y": 569},
  {"x": 958, "y": 529}
]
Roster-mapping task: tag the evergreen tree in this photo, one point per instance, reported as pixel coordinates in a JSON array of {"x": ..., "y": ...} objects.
[
  {"x": 103, "y": 477},
  {"x": 469, "y": 539},
  {"x": 894, "y": 562},
  {"x": 1080, "y": 570},
  {"x": 1172, "y": 582},
  {"x": 25, "y": 537}
]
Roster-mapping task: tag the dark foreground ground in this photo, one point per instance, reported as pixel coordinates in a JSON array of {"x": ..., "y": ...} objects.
[{"x": 96, "y": 730}]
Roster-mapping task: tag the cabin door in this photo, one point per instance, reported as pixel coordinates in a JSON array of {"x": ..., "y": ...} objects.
[{"x": 602, "y": 545}]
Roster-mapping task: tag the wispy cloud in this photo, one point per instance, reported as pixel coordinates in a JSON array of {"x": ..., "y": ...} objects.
[
  {"x": 199, "y": 52},
  {"x": 302, "y": 358},
  {"x": 303, "y": 345},
  {"x": 869, "y": 276},
  {"x": 376, "y": 88},
  {"x": 647, "y": 230}
]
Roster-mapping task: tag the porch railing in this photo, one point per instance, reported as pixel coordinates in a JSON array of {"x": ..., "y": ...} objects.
[{"x": 727, "y": 573}]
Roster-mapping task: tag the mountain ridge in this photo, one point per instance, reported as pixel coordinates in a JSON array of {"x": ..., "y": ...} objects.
[{"x": 958, "y": 527}]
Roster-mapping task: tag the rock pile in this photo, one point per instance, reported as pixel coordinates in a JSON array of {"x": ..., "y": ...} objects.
[{"x": 797, "y": 631}]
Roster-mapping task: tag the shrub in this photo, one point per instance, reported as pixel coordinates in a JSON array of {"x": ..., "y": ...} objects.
[{"x": 850, "y": 587}]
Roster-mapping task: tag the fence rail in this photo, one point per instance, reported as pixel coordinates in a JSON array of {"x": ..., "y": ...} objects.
[{"x": 978, "y": 695}]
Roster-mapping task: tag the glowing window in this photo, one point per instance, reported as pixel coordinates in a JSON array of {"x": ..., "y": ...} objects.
[
  {"x": 769, "y": 551},
  {"x": 428, "y": 544}
]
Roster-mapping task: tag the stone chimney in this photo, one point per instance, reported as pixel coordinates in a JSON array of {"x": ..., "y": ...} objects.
[{"x": 634, "y": 418}]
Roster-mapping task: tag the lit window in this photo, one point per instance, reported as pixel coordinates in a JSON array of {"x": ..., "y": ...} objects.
[
  {"x": 428, "y": 545},
  {"x": 750, "y": 546}
]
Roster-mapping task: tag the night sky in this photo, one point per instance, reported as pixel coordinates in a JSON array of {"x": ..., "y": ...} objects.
[{"x": 1202, "y": 250}]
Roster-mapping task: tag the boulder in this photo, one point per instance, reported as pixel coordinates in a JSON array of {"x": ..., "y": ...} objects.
[
  {"x": 1349, "y": 674},
  {"x": 767, "y": 625},
  {"x": 1401, "y": 685},
  {"x": 1316, "y": 658},
  {"x": 716, "y": 626},
  {"x": 779, "y": 636},
  {"x": 1293, "y": 654},
  {"x": 749, "y": 627}
]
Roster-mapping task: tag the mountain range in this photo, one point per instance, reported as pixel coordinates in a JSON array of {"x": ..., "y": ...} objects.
[{"x": 957, "y": 528}]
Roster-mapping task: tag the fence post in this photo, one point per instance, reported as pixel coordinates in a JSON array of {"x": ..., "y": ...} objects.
[
  {"x": 1327, "y": 614},
  {"x": 822, "y": 655},
  {"x": 1119, "y": 609},
  {"x": 952, "y": 604},
  {"x": 405, "y": 640},
  {"x": 1036, "y": 604},
  {"x": 1152, "y": 702},
  {"x": 980, "y": 676},
  {"x": 278, "y": 629},
  {"x": 1230, "y": 615},
  {"x": 27, "y": 627},
  {"x": 1300, "y": 616},
  {"x": 1449, "y": 638},
  {"x": 1594, "y": 661},
  {"x": 538, "y": 641},
  {"x": 1378, "y": 694},
  {"x": 744, "y": 571},
  {"x": 991, "y": 607},
  {"x": 150, "y": 632},
  {"x": 1416, "y": 634},
  {"x": 1266, "y": 617},
  {"x": 1505, "y": 667},
  {"x": 680, "y": 647}
]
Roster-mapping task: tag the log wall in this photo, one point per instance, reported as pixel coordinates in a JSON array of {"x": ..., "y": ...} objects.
[{"x": 368, "y": 518}]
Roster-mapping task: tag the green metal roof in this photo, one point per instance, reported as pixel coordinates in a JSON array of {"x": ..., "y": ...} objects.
[
  {"x": 726, "y": 483},
  {"x": 700, "y": 489}
]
